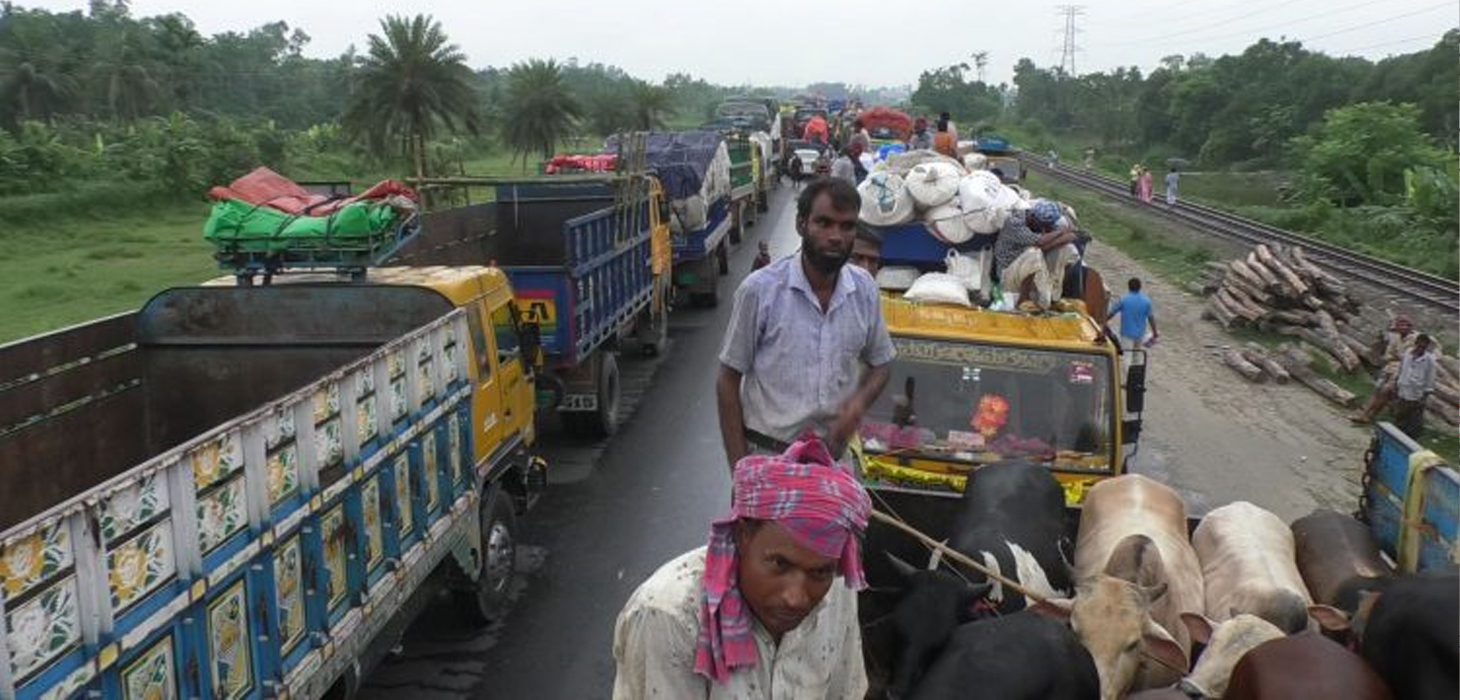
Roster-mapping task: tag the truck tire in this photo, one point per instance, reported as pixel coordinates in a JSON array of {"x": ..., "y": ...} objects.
[
  {"x": 487, "y": 600},
  {"x": 763, "y": 202},
  {"x": 710, "y": 298},
  {"x": 603, "y": 422},
  {"x": 654, "y": 338},
  {"x": 737, "y": 226}
]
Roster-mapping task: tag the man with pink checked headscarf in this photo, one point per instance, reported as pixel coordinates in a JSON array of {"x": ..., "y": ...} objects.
[{"x": 757, "y": 614}]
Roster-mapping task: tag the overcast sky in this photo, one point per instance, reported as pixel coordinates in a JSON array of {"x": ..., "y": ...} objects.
[{"x": 875, "y": 43}]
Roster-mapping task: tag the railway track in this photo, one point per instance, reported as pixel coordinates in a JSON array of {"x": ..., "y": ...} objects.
[{"x": 1421, "y": 287}]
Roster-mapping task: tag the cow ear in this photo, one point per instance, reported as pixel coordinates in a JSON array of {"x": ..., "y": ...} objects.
[
  {"x": 1199, "y": 626},
  {"x": 903, "y": 568},
  {"x": 1329, "y": 617},
  {"x": 1159, "y": 644},
  {"x": 1056, "y": 608},
  {"x": 1154, "y": 593}
]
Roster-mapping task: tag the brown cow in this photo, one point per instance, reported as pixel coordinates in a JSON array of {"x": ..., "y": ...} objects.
[
  {"x": 1338, "y": 558},
  {"x": 1137, "y": 574},
  {"x": 1247, "y": 566},
  {"x": 1305, "y": 665}
]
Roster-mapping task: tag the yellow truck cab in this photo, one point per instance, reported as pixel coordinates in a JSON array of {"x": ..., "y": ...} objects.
[
  {"x": 972, "y": 386},
  {"x": 502, "y": 381}
]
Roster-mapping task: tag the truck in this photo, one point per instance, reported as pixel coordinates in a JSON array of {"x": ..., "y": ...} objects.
[
  {"x": 587, "y": 259},
  {"x": 750, "y": 182},
  {"x": 248, "y": 491},
  {"x": 1001, "y": 155},
  {"x": 971, "y": 386},
  {"x": 693, "y": 170}
]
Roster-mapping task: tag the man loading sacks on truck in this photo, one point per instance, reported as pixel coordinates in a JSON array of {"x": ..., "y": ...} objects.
[
  {"x": 802, "y": 331},
  {"x": 759, "y": 610},
  {"x": 1031, "y": 254}
]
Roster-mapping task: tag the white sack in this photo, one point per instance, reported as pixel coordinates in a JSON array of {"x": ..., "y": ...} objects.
[
  {"x": 885, "y": 201},
  {"x": 933, "y": 184}
]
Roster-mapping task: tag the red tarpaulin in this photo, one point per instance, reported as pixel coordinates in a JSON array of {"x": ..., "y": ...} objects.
[
  {"x": 264, "y": 187},
  {"x": 601, "y": 163},
  {"x": 887, "y": 118}
]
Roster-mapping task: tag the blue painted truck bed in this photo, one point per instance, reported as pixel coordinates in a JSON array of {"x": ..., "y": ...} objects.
[
  {"x": 1406, "y": 508},
  {"x": 579, "y": 266}
]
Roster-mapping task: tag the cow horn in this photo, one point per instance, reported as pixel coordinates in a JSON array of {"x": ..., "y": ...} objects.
[{"x": 903, "y": 568}]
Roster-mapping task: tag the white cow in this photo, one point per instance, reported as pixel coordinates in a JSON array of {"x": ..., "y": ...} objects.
[
  {"x": 1248, "y": 565},
  {"x": 1225, "y": 642}
]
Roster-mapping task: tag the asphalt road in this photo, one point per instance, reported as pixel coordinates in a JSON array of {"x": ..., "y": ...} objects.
[{"x": 613, "y": 513}]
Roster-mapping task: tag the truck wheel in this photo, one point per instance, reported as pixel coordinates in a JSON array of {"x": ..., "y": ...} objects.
[
  {"x": 737, "y": 227},
  {"x": 603, "y": 422},
  {"x": 722, "y": 259},
  {"x": 763, "y": 202},
  {"x": 487, "y": 600},
  {"x": 655, "y": 339}
]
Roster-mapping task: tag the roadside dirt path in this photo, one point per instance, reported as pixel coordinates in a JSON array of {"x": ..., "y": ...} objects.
[{"x": 1217, "y": 438}]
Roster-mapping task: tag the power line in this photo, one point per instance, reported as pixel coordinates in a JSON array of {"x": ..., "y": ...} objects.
[
  {"x": 1427, "y": 38},
  {"x": 1229, "y": 20},
  {"x": 1386, "y": 20},
  {"x": 1285, "y": 25}
]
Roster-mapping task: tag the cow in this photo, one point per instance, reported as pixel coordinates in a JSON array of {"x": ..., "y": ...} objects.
[
  {"x": 1337, "y": 558},
  {"x": 1248, "y": 566},
  {"x": 1408, "y": 633},
  {"x": 1010, "y": 519},
  {"x": 1226, "y": 642},
  {"x": 1137, "y": 573},
  {"x": 1305, "y": 665},
  {"x": 1158, "y": 694},
  {"x": 1023, "y": 656}
]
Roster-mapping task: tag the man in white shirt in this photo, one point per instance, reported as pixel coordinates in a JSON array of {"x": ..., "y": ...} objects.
[
  {"x": 758, "y": 614},
  {"x": 1415, "y": 383}
]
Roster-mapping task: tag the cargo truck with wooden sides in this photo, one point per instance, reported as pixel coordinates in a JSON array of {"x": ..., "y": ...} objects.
[
  {"x": 248, "y": 491},
  {"x": 589, "y": 262}
]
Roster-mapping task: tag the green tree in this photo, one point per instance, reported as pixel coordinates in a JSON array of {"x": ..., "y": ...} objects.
[
  {"x": 539, "y": 110},
  {"x": 649, "y": 106},
  {"x": 412, "y": 84},
  {"x": 37, "y": 79},
  {"x": 1361, "y": 152}
]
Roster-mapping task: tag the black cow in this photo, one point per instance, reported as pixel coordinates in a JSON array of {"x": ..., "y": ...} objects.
[
  {"x": 1024, "y": 656},
  {"x": 1410, "y": 638},
  {"x": 1011, "y": 519}
]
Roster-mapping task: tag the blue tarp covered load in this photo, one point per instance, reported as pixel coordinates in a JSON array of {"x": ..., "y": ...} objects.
[{"x": 681, "y": 159}]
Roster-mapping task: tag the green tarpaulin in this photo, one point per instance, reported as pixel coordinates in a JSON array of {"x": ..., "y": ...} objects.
[{"x": 237, "y": 226}]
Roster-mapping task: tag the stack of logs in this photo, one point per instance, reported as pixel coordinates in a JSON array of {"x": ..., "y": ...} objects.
[{"x": 1275, "y": 289}]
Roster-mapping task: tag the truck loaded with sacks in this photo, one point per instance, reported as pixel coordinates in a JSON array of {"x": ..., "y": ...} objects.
[
  {"x": 694, "y": 170},
  {"x": 247, "y": 490}
]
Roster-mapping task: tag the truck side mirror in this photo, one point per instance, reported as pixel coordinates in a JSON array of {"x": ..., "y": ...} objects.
[
  {"x": 529, "y": 335},
  {"x": 1135, "y": 385}
]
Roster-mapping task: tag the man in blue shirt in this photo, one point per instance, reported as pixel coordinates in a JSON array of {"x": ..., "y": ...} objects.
[{"x": 1135, "y": 312}]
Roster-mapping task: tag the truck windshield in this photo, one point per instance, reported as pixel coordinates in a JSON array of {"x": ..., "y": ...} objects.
[{"x": 961, "y": 402}]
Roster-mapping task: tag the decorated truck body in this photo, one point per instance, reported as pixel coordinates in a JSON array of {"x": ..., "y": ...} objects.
[{"x": 244, "y": 492}]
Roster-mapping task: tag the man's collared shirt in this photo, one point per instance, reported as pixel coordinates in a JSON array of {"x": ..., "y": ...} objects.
[
  {"x": 800, "y": 364},
  {"x": 1416, "y": 375},
  {"x": 654, "y": 644}
]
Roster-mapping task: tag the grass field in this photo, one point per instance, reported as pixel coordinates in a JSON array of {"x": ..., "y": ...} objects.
[{"x": 80, "y": 267}]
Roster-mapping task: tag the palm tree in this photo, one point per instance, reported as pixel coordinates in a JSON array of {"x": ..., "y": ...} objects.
[
  {"x": 540, "y": 109},
  {"x": 32, "y": 76},
  {"x": 651, "y": 105},
  {"x": 412, "y": 83}
]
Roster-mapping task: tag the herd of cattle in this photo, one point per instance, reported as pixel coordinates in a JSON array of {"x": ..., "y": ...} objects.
[{"x": 1310, "y": 610}]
